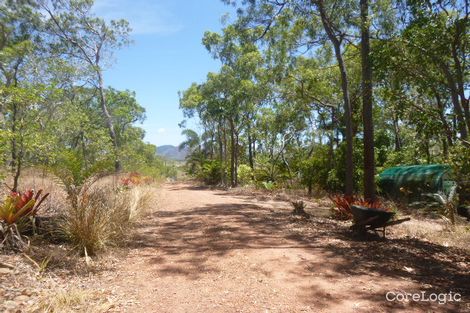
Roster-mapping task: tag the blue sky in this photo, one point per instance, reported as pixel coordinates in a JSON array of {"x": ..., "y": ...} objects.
[{"x": 166, "y": 56}]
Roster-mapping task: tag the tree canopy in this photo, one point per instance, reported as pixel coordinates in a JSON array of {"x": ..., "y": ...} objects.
[{"x": 321, "y": 93}]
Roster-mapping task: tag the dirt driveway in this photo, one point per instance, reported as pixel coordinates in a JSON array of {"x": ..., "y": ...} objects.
[{"x": 212, "y": 251}]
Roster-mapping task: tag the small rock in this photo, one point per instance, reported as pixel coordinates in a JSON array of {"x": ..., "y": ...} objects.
[{"x": 5, "y": 271}]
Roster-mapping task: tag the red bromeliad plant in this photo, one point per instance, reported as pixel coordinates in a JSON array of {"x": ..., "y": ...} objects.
[
  {"x": 342, "y": 208},
  {"x": 13, "y": 211},
  {"x": 19, "y": 205},
  {"x": 376, "y": 205}
]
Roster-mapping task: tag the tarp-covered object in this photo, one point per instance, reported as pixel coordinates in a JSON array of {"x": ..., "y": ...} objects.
[{"x": 416, "y": 180}]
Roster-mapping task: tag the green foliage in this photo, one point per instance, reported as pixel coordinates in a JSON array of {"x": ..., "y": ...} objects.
[
  {"x": 211, "y": 172},
  {"x": 245, "y": 175},
  {"x": 315, "y": 170},
  {"x": 333, "y": 180},
  {"x": 460, "y": 162},
  {"x": 268, "y": 185},
  {"x": 280, "y": 99},
  {"x": 55, "y": 111},
  {"x": 265, "y": 169}
]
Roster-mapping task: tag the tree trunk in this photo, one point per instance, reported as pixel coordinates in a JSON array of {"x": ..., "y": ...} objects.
[
  {"x": 221, "y": 153},
  {"x": 331, "y": 140},
  {"x": 461, "y": 123},
  {"x": 16, "y": 148},
  {"x": 109, "y": 122},
  {"x": 349, "y": 166},
  {"x": 445, "y": 148},
  {"x": 310, "y": 188},
  {"x": 427, "y": 150},
  {"x": 254, "y": 150},
  {"x": 250, "y": 147},
  {"x": 444, "y": 122},
  {"x": 367, "y": 106},
  {"x": 460, "y": 31},
  {"x": 396, "y": 132},
  {"x": 19, "y": 164},
  {"x": 232, "y": 153},
  {"x": 235, "y": 174},
  {"x": 14, "y": 156},
  {"x": 225, "y": 164}
]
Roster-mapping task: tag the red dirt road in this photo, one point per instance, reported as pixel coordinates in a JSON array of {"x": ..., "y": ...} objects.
[{"x": 211, "y": 251}]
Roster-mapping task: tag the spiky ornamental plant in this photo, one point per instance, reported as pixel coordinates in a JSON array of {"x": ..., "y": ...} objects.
[{"x": 15, "y": 210}]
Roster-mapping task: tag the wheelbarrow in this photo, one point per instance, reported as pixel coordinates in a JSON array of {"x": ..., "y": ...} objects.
[{"x": 365, "y": 219}]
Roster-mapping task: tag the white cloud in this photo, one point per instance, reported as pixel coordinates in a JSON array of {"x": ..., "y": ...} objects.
[
  {"x": 144, "y": 16},
  {"x": 161, "y": 131}
]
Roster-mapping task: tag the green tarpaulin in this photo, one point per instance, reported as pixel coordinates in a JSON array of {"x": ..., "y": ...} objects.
[{"x": 415, "y": 180}]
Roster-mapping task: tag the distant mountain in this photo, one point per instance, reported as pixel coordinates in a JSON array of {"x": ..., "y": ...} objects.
[{"x": 172, "y": 153}]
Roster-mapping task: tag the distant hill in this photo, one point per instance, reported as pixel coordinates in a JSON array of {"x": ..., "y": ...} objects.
[{"x": 172, "y": 153}]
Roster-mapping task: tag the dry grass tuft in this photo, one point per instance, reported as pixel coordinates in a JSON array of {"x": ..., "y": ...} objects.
[
  {"x": 436, "y": 231},
  {"x": 104, "y": 215},
  {"x": 74, "y": 300}
]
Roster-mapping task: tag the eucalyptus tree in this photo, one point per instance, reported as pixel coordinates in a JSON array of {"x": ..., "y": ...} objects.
[
  {"x": 367, "y": 104},
  {"x": 425, "y": 68},
  {"x": 126, "y": 112},
  {"x": 206, "y": 101},
  {"x": 55, "y": 111},
  {"x": 20, "y": 88},
  {"x": 438, "y": 32},
  {"x": 235, "y": 91},
  {"x": 79, "y": 35},
  {"x": 317, "y": 60},
  {"x": 309, "y": 24}
]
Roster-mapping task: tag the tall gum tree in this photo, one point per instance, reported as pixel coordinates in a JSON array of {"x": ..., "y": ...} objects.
[
  {"x": 19, "y": 26},
  {"x": 237, "y": 83},
  {"x": 309, "y": 22},
  {"x": 367, "y": 105},
  {"x": 89, "y": 39}
]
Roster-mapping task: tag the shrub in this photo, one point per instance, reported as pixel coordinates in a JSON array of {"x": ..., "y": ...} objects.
[
  {"x": 211, "y": 172},
  {"x": 265, "y": 169},
  {"x": 15, "y": 212},
  {"x": 18, "y": 206},
  {"x": 268, "y": 185},
  {"x": 460, "y": 162},
  {"x": 245, "y": 174},
  {"x": 299, "y": 209},
  {"x": 315, "y": 170},
  {"x": 342, "y": 205}
]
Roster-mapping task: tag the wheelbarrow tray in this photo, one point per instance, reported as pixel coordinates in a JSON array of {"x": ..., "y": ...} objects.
[{"x": 371, "y": 217}]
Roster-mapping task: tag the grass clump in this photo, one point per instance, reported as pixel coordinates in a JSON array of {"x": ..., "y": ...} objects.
[
  {"x": 103, "y": 215},
  {"x": 73, "y": 300}
]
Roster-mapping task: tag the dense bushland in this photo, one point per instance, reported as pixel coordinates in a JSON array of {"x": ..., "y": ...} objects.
[{"x": 294, "y": 104}]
